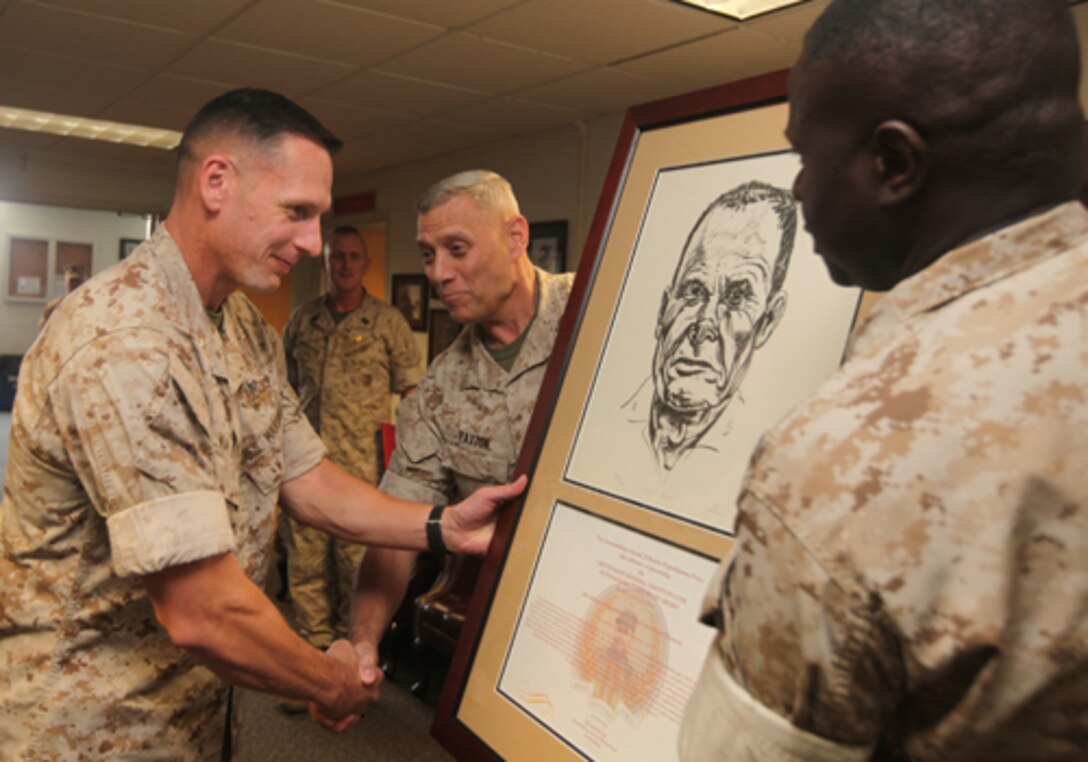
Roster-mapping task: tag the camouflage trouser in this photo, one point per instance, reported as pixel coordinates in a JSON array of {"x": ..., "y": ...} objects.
[{"x": 320, "y": 574}]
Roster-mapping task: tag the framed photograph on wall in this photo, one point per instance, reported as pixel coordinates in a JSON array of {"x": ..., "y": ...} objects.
[
  {"x": 548, "y": 245},
  {"x": 129, "y": 245},
  {"x": 411, "y": 295},
  {"x": 441, "y": 333},
  {"x": 698, "y": 298}
]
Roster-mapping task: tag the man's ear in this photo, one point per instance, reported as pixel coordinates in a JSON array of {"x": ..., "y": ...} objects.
[
  {"x": 216, "y": 174},
  {"x": 901, "y": 162},
  {"x": 517, "y": 234},
  {"x": 772, "y": 316}
]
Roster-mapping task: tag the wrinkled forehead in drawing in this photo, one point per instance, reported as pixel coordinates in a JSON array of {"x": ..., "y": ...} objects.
[{"x": 744, "y": 199}]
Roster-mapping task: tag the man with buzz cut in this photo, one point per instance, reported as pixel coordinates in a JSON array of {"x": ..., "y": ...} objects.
[
  {"x": 153, "y": 434},
  {"x": 910, "y": 573},
  {"x": 347, "y": 354}
]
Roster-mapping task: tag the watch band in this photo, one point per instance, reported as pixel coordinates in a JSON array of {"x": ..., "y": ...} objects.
[{"x": 435, "y": 543}]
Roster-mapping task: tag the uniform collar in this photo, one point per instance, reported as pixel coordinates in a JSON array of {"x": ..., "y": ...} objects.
[
  {"x": 190, "y": 306},
  {"x": 973, "y": 266},
  {"x": 537, "y": 349}
]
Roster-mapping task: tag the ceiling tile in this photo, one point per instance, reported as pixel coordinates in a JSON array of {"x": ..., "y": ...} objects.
[
  {"x": 479, "y": 64},
  {"x": 242, "y": 65},
  {"x": 789, "y": 23},
  {"x": 447, "y": 136},
  {"x": 726, "y": 57},
  {"x": 447, "y": 13},
  {"x": 375, "y": 89},
  {"x": 347, "y": 122},
  {"x": 503, "y": 117},
  {"x": 183, "y": 93},
  {"x": 35, "y": 27},
  {"x": 193, "y": 16},
  {"x": 376, "y": 153},
  {"x": 20, "y": 93},
  {"x": 85, "y": 81},
  {"x": 604, "y": 90},
  {"x": 140, "y": 112},
  {"x": 331, "y": 32},
  {"x": 599, "y": 31}
]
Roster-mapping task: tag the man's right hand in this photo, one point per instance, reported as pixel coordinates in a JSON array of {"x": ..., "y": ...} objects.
[
  {"x": 370, "y": 671},
  {"x": 355, "y": 693}
]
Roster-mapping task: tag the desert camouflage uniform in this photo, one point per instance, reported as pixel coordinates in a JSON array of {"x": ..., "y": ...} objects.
[
  {"x": 345, "y": 374},
  {"x": 463, "y": 427},
  {"x": 142, "y": 438},
  {"x": 911, "y": 562}
]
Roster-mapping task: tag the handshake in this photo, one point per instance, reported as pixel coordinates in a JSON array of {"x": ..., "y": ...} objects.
[{"x": 358, "y": 678}]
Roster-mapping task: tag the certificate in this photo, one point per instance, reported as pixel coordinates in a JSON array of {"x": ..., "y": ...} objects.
[{"x": 608, "y": 645}]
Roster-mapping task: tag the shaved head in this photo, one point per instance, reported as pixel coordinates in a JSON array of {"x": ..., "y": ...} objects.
[{"x": 991, "y": 84}]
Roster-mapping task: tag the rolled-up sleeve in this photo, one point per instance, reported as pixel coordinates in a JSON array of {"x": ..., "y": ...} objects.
[
  {"x": 803, "y": 664},
  {"x": 169, "y": 531},
  {"x": 139, "y": 430}
]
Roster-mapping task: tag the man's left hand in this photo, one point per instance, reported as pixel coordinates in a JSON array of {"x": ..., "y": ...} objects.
[{"x": 467, "y": 527}]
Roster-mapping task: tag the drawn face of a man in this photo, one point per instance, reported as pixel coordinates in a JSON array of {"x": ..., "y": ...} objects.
[{"x": 716, "y": 312}]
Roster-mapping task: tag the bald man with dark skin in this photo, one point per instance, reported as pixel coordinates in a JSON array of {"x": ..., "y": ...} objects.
[{"x": 909, "y": 577}]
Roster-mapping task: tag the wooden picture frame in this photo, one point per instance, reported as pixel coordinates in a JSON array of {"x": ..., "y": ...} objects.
[
  {"x": 440, "y": 333},
  {"x": 548, "y": 245},
  {"x": 582, "y": 639},
  {"x": 411, "y": 295}
]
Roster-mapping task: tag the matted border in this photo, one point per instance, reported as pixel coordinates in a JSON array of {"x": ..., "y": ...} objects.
[{"x": 473, "y": 719}]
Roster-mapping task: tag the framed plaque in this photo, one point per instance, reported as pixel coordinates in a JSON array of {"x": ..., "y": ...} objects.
[{"x": 700, "y": 315}]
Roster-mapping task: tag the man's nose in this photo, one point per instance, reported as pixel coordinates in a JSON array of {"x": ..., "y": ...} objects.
[
  {"x": 439, "y": 269},
  {"x": 703, "y": 329},
  {"x": 308, "y": 239}
]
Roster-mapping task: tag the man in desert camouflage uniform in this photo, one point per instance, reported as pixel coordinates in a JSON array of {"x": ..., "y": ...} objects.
[
  {"x": 463, "y": 427},
  {"x": 910, "y": 574},
  {"x": 153, "y": 434},
  {"x": 347, "y": 353}
]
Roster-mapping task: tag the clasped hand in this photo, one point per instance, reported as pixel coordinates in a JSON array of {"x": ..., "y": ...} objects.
[{"x": 357, "y": 668}]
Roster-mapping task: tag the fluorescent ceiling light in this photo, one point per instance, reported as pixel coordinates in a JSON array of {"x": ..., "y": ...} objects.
[
  {"x": 90, "y": 129},
  {"x": 741, "y": 9}
]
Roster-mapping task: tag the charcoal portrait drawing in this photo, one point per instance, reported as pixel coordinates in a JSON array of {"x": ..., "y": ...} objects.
[
  {"x": 724, "y": 303},
  {"x": 726, "y": 319}
]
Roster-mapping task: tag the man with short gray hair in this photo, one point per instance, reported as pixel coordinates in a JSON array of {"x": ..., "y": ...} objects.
[{"x": 464, "y": 425}]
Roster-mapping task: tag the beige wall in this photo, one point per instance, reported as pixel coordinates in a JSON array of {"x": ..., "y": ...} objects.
[{"x": 557, "y": 175}]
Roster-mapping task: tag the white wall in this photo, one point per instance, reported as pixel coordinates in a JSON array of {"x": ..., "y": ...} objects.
[{"x": 103, "y": 230}]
